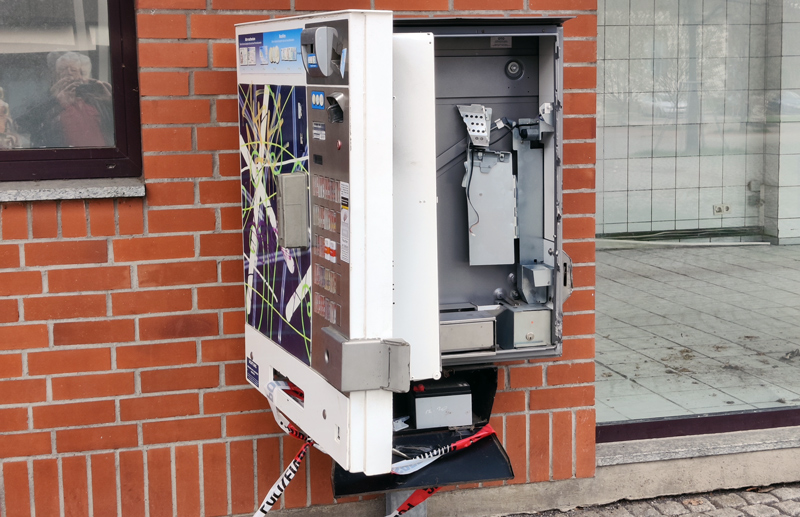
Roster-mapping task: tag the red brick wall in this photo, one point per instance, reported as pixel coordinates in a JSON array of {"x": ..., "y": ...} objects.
[{"x": 121, "y": 321}]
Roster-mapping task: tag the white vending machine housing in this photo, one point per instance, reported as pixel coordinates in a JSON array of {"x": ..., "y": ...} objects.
[{"x": 328, "y": 307}]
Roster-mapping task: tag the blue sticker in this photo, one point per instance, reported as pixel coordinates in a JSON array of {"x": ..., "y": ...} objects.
[
  {"x": 312, "y": 61},
  {"x": 317, "y": 100},
  {"x": 252, "y": 372},
  {"x": 277, "y": 52}
]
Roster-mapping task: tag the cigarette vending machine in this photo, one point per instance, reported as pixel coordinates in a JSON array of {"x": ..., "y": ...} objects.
[{"x": 401, "y": 190}]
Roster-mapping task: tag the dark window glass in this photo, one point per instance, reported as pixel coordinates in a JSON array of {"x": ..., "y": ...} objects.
[{"x": 68, "y": 90}]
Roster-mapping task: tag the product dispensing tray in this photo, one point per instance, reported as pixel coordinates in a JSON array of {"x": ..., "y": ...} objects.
[{"x": 485, "y": 460}]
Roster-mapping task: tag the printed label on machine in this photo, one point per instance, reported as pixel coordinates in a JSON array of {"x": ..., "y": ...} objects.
[
  {"x": 500, "y": 42},
  {"x": 252, "y": 371},
  {"x": 270, "y": 52},
  {"x": 317, "y": 101},
  {"x": 318, "y": 131},
  {"x": 344, "y": 194}
]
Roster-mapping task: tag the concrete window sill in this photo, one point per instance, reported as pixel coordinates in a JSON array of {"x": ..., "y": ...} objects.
[
  {"x": 662, "y": 449},
  {"x": 100, "y": 188}
]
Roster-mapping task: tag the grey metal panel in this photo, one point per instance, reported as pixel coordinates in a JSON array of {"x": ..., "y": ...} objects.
[
  {"x": 465, "y": 46},
  {"x": 523, "y": 326},
  {"x": 468, "y": 330},
  {"x": 547, "y": 94},
  {"x": 491, "y": 209},
  {"x": 468, "y": 335},
  {"x": 293, "y": 210},
  {"x": 329, "y": 159},
  {"x": 530, "y": 204},
  {"x": 470, "y": 71},
  {"x": 484, "y": 76},
  {"x": 551, "y": 90},
  {"x": 458, "y": 281}
]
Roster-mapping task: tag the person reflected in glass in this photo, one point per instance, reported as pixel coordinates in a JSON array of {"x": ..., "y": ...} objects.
[
  {"x": 79, "y": 112},
  {"x": 8, "y": 136}
]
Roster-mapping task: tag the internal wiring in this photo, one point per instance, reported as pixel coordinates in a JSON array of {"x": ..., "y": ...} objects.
[{"x": 469, "y": 183}]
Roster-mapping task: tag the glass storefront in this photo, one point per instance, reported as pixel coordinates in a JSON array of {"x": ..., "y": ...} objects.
[{"x": 698, "y": 189}]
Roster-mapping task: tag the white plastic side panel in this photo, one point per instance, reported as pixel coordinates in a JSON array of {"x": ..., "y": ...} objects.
[
  {"x": 358, "y": 218},
  {"x": 331, "y": 429},
  {"x": 378, "y": 174},
  {"x": 378, "y": 439},
  {"x": 371, "y": 241},
  {"x": 416, "y": 277},
  {"x": 357, "y": 420},
  {"x": 371, "y": 177}
]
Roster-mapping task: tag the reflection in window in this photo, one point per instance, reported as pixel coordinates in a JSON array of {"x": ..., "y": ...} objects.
[{"x": 55, "y": 80}]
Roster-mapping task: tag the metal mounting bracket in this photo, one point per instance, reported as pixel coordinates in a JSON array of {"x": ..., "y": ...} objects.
[
  {"x": 365, "y": 364},
  {"x": 477, "y": 119}
]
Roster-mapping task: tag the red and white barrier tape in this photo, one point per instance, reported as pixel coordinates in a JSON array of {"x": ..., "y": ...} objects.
[
  {"x": 280, "y": 485},
  {"x": 414, "y": 464},
  {"x": 414, "y": 500},
  {"x": 289, "y": 428},
  {"x": 403, "y": 467}
]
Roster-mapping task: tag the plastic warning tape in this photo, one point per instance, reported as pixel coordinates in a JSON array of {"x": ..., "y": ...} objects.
[
  {"x": 403, "y": 467},
  {"x": 414, "y": 500},
  {"x": 280, "y": 485},
  {"x": 283, "y": 422},
  {"x": 414, "y": 464}
]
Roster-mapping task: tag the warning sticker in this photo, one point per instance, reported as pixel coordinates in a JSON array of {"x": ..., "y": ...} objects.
[
  {"x": 344, "y": 194},
  {"x": 252, "y": 371},
  {"x": 344, "y": 254},
  {"x": 500, "y": 42},
  {"x": 318, "y": 132}
]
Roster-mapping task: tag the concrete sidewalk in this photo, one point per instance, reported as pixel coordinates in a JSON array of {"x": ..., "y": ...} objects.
[{"x": 772, "y": 501}]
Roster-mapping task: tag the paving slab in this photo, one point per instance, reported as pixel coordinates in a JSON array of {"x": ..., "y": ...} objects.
[
  {"x": 698, "y": 505},
  {"x": 728, "y": 501},
  {"x": 759, "y": 497},
  {"x": 670, "y": 508},
  {"x": 724, "y": 512},
  {"x": 785, "y": 493},
  {"x": 790, "y": 508},
  {"x": 642, "y": 509},
  {"x": 761, "y": 510}
]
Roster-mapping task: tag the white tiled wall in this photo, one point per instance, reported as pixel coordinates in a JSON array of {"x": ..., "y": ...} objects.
[
  {"x": 681, "y": 111},
  {"x": 788, "y": 115}
]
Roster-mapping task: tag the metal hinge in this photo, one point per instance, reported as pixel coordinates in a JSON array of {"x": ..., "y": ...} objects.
[{"x": 558, "y": 51}]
